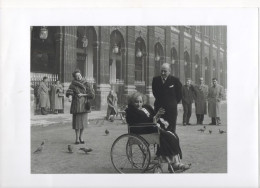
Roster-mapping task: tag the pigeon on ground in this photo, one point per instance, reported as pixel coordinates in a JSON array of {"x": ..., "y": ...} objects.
[
  {"x": 210, "y": 131},
  {"x": 86, "y": 150},
  {"x": 204, "y": 127},
  {"x": 40, "y": 148},
  {"x": 201, "y": 130},
  {"x": 70, "y": 149},
  {"x": 221, "y": 131},
  {"x": 106, "y": 132}
]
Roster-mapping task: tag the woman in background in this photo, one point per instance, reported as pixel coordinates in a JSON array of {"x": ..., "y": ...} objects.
[
  {"x": 56, "y": 97},
  {"x": 43, "y": 94},
  {"x": 112, "y": 105}
]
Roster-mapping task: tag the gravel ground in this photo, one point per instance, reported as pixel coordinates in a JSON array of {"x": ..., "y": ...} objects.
[{"x": 206, "y": 152}]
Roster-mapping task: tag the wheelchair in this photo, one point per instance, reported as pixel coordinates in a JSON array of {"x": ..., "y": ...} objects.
[{"x": 132, "y": 153}]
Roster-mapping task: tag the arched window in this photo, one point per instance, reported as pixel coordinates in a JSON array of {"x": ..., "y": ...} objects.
[
  {"x": 158, "y": 58},
  {"x": 197, "y": 69},
  {"x": 214, "y": 72},
  {"x": 140, "y": 53},
  {"x": 116, "y": 57},
  {"x": 187, "y": 69},
  {"x": 206, "y": 65},
  {"x": 175, "y": 62}
]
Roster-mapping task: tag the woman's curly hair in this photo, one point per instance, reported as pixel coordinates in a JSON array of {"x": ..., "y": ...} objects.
[{"x": 132, "y": 98}]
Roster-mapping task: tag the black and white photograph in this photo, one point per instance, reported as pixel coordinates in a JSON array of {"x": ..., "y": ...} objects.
[
  {"x": 90, "y": 85},
  {"x": 129, "y": 97}
]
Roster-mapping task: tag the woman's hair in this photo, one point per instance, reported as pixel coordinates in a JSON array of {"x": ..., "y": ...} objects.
[
  {"x": 44, "y": 78},
  {"x": 132, "y": 98},
  {"x": 75, "y": 72}
]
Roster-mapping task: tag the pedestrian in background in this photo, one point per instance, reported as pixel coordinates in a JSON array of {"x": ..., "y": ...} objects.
[
  {"x": 167, "y": 93},
  {"x": 43, "y": 94},
  {"x": 188, "y": 95},
  {"x": 111, "y": 105},
  {"x": 79, "y": 94},
  {"x": 201, "y": 101},
  {"x": 216, "y": 93},
  {"x": 56, "y": 97}
]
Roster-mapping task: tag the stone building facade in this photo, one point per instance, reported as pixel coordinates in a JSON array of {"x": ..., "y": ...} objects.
[{"x": 128, "y": 57}]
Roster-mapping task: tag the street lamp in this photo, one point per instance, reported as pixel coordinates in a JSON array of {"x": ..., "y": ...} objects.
[
  {"x": 157, "y": 56},
  {"x": 43, "y": 33},
  {"x": 84, "y": 41},
  {"x": 115, "y": 49},
  {"x": 139, "y": 53}
]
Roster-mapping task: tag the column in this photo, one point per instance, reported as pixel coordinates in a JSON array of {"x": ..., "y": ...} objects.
[
  {"x": 129, "y": 62},
  {"x": 193, "y": 69},
  {"x": 168, "y": 44},
  {"x": 150, "y": 64},
  {"x": 59, "y": 53},
  {"x": 70, "y": 58},
  {"x": 181, "y": 53},
  {"x": 103, "y": 86},
  {"x": 202, "y": 54},
  {"x": 210, "y": 54}
]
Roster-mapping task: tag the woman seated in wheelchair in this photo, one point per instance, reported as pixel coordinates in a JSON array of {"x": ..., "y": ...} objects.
[{"x": 139, "y": 112}]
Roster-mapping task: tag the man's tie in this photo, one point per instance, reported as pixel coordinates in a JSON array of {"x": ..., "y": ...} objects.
[{"x": 163, "y": 80}]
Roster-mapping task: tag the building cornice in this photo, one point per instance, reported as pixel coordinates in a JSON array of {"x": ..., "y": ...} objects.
[{"x": 175, "y": 30}]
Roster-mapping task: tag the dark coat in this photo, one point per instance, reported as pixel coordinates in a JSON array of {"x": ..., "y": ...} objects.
[
  {"x": 167, "y": 95},
  {"x": 188, "y": 94},
  {"x": 169, "y": 142},
  {"x": 78, "y": 103},
  {"x": 134, "y": 116}
]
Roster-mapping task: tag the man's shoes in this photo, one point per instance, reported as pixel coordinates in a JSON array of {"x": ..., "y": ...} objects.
[
  {"x": 212, "y": 124},
  {"x": 184, "y": 124},
  {"x": 188, "y": 124}
]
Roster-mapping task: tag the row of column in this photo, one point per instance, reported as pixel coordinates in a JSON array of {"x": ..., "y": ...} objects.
[{"x": 65, "y": 47}]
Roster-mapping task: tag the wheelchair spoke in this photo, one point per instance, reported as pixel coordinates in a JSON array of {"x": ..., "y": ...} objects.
[{"x": 130, "y": 154}]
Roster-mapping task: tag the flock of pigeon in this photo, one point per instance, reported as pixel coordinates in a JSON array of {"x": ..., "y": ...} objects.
[
  {"x": 70, "y": 148},
  {"x": 202, "y": 130},
  {"x": 87, "y": 150}
]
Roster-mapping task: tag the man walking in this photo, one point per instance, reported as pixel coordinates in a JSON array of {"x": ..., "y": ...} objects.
[
  {"x": 215, "y": 96},
  {"x": 187, "y": 100},
  {"x": 201, "y": 91},
  {"x": 167, "y": 92}
]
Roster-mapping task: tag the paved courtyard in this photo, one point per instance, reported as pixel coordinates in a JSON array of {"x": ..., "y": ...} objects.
[{"x": 206, "y": 152}]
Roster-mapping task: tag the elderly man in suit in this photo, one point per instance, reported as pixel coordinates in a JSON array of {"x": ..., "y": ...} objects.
[
  {"x": 215, "y": 96},
  {"x": 201, "y": 91},
  {"x": 167, "y": 91},
  {"x": 188, "y": 95}
]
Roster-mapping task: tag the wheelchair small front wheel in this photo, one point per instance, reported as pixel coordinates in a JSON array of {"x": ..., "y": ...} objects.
[{"x": 130, "y": 154}]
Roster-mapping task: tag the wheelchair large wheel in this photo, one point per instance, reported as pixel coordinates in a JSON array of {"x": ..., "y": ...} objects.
[{"x": 130, "y": 154}]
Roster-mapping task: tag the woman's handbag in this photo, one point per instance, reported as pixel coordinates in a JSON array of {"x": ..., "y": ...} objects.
[{"x": 87, "y": 105}]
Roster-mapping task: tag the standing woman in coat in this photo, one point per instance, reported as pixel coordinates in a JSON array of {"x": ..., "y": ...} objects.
[
  {"x": 43, "y": 93},
  {"x": 111, "y": 105},
  {"x": 79, "y": 94},
  {"x": 215, "y": 96},
  {"x": 56, "y": 97}
]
